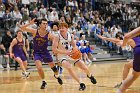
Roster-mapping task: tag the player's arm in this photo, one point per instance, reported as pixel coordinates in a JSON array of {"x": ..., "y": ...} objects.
[
  {"x": 73, "y": 43},
  {"x": 55, "y": 46},
  {"x": 27, "y": 45},
  {"x": 131, "y": 42},
  {"x": 27, "y": 29},
  {"x": 114, "y": 40},
  {"x": 51, "y": 36},
  {"x": 2, "y": 47},
  {"x": 130, "y": 35},
  {"x": 11, "y": 47}
]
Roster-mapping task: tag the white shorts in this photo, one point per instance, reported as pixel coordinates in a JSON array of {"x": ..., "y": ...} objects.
[{"x": 65, "y": 57}]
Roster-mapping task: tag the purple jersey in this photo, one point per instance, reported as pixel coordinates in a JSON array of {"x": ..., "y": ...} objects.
[
  {"x": 40, "y": 43},
  {"x": 136, "y": 61},
  {"x": 40, "y": 48},
  {"x": 137, "y": 41},
  {"x": 18, "y": 50}
]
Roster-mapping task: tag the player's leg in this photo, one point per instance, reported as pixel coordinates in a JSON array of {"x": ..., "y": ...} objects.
[
  {"x": 24, "y": 72},
  {"x": 56, "y": 72},
  {"x": 134, "y": 75},
  {"x": 25, "y": 65},
  {"x": 41, "y": 73},
  {"x": 128, "y": 81},
  {"x": 126, "y": 70},
  {"x": 69, "y": 68},
  {"x": 18, "y": 59},
  {"x": 59, "y": 66},
  {"x": 83, "y": 67}
]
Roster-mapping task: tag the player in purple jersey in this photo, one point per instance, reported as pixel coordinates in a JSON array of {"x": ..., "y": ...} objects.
[
  {"x": 136, "y": 62},
  {"x": 41, "y": 54},
  {"x": 18, "y": 51},
  {"x": 135, "y": 44}
]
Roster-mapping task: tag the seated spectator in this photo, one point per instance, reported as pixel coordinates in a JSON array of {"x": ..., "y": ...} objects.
[
  {"x": 5, "y": 44},
  {"x": 84, "y": 54},
  {"x": 89, "y": 51},
  {"x": 7, "y": 19}
]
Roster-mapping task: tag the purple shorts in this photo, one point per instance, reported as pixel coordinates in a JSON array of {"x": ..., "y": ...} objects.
[
  {"x": 43, "y": 57},
  {"x": 136, "y": 62},
  {"x": 21, "y": 55}
]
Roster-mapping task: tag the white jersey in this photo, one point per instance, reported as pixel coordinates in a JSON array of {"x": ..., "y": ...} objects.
[
  {"x": 55, "y": 33},
  {"x": 64, "y": 44}
]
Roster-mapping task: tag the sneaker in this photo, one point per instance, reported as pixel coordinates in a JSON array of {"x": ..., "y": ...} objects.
[
  {"x": 59, "y": 80},
  {"x": 92, "y": 79},
  {"x": 82, "y": 87},
  {"x": 60, "y": 70},
  {"x": 118, "y": 85},
  {"x": 43, "y": 86},
  {"x": 26, "y": 75}
]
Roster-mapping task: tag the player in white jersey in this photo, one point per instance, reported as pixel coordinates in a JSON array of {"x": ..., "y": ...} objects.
[
  {"x": 55, "y": 32},
  {"x": 62, "y": 46}
]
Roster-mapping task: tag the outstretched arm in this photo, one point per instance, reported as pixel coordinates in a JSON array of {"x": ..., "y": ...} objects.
[
  {"x": 130, "y": 35},
  {"x": 109, "y": 39},
  {"x": 26, "y": 28}
]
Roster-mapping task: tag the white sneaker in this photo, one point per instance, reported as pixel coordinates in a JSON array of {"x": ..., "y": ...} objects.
[
  {"x": 25, "y": 75},
  {"x": 89, "y": 61}
]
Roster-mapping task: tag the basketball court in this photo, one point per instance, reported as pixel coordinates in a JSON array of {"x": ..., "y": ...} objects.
[{"x": 108, "y": 74}]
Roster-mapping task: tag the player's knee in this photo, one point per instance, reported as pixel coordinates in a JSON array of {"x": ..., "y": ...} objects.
[
  {"x": 39, "y": 68},
  {"x": 54, "y": 69},
  {"x": 127, "y": 65},
  {"x": 135, "y": 75},
  {"x": 84, "y": 68}
]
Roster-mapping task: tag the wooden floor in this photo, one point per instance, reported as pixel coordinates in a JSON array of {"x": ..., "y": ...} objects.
[{"x": 107, "y": 75}]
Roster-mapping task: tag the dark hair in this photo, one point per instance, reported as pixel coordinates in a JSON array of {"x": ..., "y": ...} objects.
[
  {"x": 54, "y": 23},
  {"x": 19, "y": 31},
  {"x": 39, "y": 21},
  {"x": 119, "y": 36}
]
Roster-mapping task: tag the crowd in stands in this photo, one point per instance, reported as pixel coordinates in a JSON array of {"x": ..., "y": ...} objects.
[{"x": 110, "y": 19}]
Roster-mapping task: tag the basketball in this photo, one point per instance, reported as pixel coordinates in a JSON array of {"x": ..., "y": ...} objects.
[{"x": 76, "y": 54}]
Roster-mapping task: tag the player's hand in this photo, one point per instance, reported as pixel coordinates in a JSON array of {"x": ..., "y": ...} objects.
[
  {"x": 68, "y": 53},
  {"x": 33, "y": 21},
  {"x": 27, "y": 55},
  {"x": 12, "y": 55}
]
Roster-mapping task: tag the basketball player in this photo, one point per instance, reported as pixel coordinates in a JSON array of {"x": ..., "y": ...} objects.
[
  {"x": 135, "y": 44},
  {"x": 18, "y": 52},
  {"x": 41, "y": 54},
  {"x": 55, "y": 32},
  {"x": 128, "y": 65},
  {"x": 62, "y": 47},
  {"x": 136, "y": 62}
]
